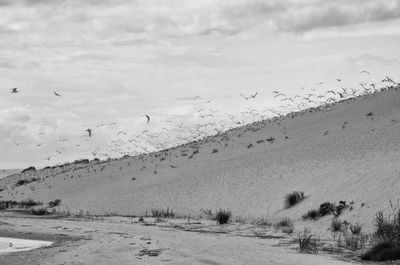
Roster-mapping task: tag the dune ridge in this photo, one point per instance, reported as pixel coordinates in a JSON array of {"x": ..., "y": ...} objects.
[{"x": 345, "y": 151}]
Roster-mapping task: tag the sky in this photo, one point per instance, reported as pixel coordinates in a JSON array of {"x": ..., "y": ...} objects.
[{"x": 114, "y": 61}]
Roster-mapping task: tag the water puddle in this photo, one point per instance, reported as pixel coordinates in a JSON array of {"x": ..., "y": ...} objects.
[{"x": 9, "y": 244}]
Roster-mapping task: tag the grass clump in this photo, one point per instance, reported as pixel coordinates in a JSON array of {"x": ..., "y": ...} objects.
[
  {"x": 223, "y": 216},
  {"x": 39, "y": 211},
  {"x": 293, "y": 198},
  {"x": 311, "y": 214},
  {"x": 336, "y": 225},
  {"x": 387, "y": 238},
  {"x": 355, "y": 229},
  {"x": 54, "y": 203},
  {"x": 161, "y": 213},
  {"x": 306, "y": 242}
]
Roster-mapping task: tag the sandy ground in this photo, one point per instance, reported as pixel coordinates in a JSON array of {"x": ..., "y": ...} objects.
[
  {"x": 10, "y": 244},
  {"x": 123, "y": 240}
]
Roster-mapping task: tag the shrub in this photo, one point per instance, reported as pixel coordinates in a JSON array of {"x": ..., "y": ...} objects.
[
  {"x": 326, "y": 208},
  {"x": 208, "y": 214},
  {"x": 382, "y": 252},
  {"x": 311, "y": 214},
  {"x": 307, "y": 244},
  {"x": 336, "y": 225},
  {"x": 356, "y": 229},
  {"x": 215, "y": 150},
  {"x": 29, "y": 203},
  {"x": 222, "y": 216},
  {"x": 355, "y": 242},
  {"x": 387, "y": 236},
  {"x": 54, "y": 203},
  {"x": 161, "y": 213},
  {"x": 284, "y": 222},
  {"x": 369, "y": 114},
  {"x": 293, "y": 198},
  {"x": 39, "y": 211}
]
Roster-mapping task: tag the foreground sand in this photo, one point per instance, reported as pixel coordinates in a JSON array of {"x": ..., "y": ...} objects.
[{"x": 122, "y": 240}]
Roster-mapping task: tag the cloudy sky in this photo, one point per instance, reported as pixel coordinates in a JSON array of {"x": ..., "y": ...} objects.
[{"x": 116, "y": 60}]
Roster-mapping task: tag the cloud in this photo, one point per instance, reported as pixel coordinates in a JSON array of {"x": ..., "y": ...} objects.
[{"x": 337, "y": 14}]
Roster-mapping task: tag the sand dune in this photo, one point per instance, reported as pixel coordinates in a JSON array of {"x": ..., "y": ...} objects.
[{"x": 332, "y": 154}]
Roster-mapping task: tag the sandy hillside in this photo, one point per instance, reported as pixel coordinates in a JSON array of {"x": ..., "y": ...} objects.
[
  {"x": 8, "y": 172},
  {"x": 349, "y": 151}
]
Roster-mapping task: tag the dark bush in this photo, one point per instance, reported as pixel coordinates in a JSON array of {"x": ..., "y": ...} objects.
[
  {"x": 382, "y": 252},
  {"x": 161, "y": 213},
  {"x": 222, "y": 216},
  {"x": 326, "y": 208},
  {"x": 387, "y": 236},
  {"x": 293, "y": 198},
  {"x": 311, "y": 214},
  {"x": 54, "y": 203},
  {"x": 39, "y": 211}
]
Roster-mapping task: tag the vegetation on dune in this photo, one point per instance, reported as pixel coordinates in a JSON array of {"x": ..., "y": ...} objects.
[
  {"x": 387, "y": 238},
  {"x": 223, "y": 216},
  {"x": 306, "y": 243},
  {"x": 293, "y": 198},
  {"x": 163, "y": 213}
]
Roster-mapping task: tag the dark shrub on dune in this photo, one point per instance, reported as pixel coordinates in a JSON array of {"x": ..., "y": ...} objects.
[
  {"x": 293, "y": 198},
  {"x": 223, "y": 216},
  {"x": 54, "y": 203},
  {"x": 311, "y": 214},
  {"x": 39, "y": 211},
  {"x": 387, "y": 236}
]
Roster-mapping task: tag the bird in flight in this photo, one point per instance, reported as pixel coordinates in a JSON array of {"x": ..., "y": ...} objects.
[
  {"x": 249, "y": 97},
  {"x": 89, "y": 132},
  {"x": 365, "y": 72},
  {"x": 56, "y": 94},
  {"x": 14, "y": 90},
  {"x": 148, "y": 118}
]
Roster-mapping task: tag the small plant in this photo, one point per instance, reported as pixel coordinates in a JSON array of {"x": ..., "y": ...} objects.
[
  {"x": 208, "y": 214},
  {"x": 54, "y": 203},
  {"x": 222, "y": 216},
  {"x": 293, "y": 198},
  {"x": 215, "y": 150},
  {"x": 326, "y": 208},
  {"x": 284, "y": 222},
  {"x": 355, "y": 229},
  {"x": 369, "y": 114},
  {"x": 336, "y": 225},
  {"x": 161, "y": 213},
  {"x": 307, "y": 244},
  {"x": 311, "y": 214},
  {"x": 387, "y": 238},
  {"x": 39, "y": 211}
]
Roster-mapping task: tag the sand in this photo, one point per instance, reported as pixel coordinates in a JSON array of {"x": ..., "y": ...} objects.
[{"x": 122, "y": 240}]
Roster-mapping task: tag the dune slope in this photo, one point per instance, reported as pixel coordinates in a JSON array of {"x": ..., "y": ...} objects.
[{"x": 349, "y": 151}]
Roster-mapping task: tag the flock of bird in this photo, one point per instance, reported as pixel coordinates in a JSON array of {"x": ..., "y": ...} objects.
[{"x": 210, "y": 121}]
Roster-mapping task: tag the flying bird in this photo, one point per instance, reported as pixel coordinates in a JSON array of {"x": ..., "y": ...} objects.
[
  {"x": 14, "y": 90},
  {"x": 89, "y": 132},
  {"x": 56, "y": 94},
  {"x": 148, "y": 118},
  {"x": 250, "y": 96},
  {"x": 365, "y": 72}
]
